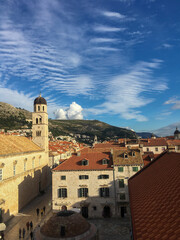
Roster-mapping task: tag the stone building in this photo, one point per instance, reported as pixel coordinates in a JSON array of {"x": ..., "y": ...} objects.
[
  {"x": 24, "y": 171},
  {"x": 126, "y": 163},
  {"x": 96, "y": 182},
  {"x": 85, "y": 182}
]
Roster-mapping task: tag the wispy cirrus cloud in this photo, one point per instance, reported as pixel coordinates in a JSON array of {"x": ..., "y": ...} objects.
[
  {"x": 175, "y": 102},
  {"x": 113, "y": 14},
  {"x": 104, "y": 40},
  {"x": 126, "y": 93},
  {"x": 103, "y": 28}
]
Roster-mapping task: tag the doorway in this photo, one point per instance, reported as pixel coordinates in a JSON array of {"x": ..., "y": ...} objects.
[
  {"x": 84, "y": 212},
  {"x": 106, "y": 212}
]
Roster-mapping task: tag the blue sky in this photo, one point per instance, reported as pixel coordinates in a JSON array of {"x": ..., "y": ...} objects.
[{"x": 116, "y": 61}]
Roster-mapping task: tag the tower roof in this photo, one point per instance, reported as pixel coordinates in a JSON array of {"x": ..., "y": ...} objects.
[
  {"x": 40, "y": 100},
  {"x": 176, "y": 131}
]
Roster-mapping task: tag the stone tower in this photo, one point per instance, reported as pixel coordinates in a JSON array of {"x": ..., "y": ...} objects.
[{"x": 40, "y": 123}]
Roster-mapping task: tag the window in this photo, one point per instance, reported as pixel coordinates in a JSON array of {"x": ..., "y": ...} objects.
[
  {"x": 103, "y": 176},
  {"x": 63, "y": 177},
  {"x": 156, "y": 149},
  {"x": 120, "y": 169},
  {"x": 43, "y": 108},
  {"x": 14, "y": 170},
  {"x": 122, "y": 196},
  {"x": 135, "y": 169},
  {"x": 121, "y": 183},
  {"x": 147, "y": 149},
  {"x": 83, "y": 177},
  {"x": 38, "y": 108},
  {"x": 36, "y": 120},
  {"x": 133, "y": 154},
  {"x": 40, "y": 120},
  {"x": 33, "y": 163},
  {"x": 105, "y": 161},
  {"x": 83, "y": 192},
  {"x": 125, "y": 155},
  {"x": 24, "y": 166},
  {"x": 62, "y": 193},
  {"x": 104, "y": 192},
  {"x": 1, "y": 174},
  {"x": 84, "y": 162},
  {"x": 38, "y": 133}
]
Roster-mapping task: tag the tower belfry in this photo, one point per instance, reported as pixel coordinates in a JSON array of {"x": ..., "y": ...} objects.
[{"x": 40, "y": 123}]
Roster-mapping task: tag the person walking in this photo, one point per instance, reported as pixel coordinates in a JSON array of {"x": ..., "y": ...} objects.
[
  {"x": 44, "y": 209},
  {"x": 31, "y": 235},
  {"x": 31, "y": 225},
  {"x": 27, "y": 225},
  {"x": 42, "y": 212},
  {"x": 24, "y": 232},
  {"x": 37, "y": 211},
  {"x": 19, "y": 232}
]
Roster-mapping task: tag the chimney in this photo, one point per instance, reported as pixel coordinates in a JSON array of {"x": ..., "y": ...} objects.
[{"x": 78, "y": 153}]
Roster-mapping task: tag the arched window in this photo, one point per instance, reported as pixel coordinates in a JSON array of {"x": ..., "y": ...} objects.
[
  {"x": 40, "y": 120},
  {"x": 38, "y": 108},
  {"x": 36, "y": 120},
  {"x": 43, "y": 108}
]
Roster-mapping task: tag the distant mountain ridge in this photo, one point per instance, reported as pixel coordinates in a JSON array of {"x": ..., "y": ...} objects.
[
  {"x": 15, "y": 118},
  {"x": 167, "y": 130}
]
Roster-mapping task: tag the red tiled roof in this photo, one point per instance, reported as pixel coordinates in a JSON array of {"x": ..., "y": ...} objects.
[
  {"x": 95, "y": 162},
  {"x": 155, "y": 142},
  {"x": 174, "y": 142},
  {"x": 107, "y": 145},
  {"x": 155, "y": 199}
]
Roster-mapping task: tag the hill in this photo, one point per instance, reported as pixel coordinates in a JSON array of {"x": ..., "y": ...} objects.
[
  {"x": 15, "y": 118},
  {"x": 167, "y": 130},
  {"x": 89, "y": 128},
  {"x": 12, "y": 117}
]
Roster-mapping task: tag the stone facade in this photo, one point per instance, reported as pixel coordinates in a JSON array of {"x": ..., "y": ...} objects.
[
  {"x": 92, "y": 205},
  {"x": 24, "y": 171},
  {"x": 107, "y": 188}
]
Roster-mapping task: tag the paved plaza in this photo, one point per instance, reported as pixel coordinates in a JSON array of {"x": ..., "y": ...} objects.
[
  {"x": 113, "y": 228},
  {"x": 108, "y": 228},
  {"x": 29, "y": 214}
]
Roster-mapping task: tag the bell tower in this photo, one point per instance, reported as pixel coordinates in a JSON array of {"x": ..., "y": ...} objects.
[{"x": 40, "y": 123}]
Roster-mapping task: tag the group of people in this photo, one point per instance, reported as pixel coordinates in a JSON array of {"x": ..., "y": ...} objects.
[
  {"x": 42, "y": 211},
  {"x": 29, "y": 226}
]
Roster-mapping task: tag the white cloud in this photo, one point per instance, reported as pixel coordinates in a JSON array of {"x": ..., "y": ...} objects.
[
  {"x": 166, "y": 45},
  {"x": 103, "y": 28},
  {"x": 127, "y": 92},
  {"x": 113, "y": 14},
  {"x": 17, "y": 99},
  {"x": 73, "y": 112},
  {"x": 175, "y": 102},
  {"x": 104, "y": 40}
]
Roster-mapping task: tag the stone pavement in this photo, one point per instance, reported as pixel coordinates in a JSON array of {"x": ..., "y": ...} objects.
[
  {"x": 29, "y": 214},
  {"x": 113, "y": 228}
]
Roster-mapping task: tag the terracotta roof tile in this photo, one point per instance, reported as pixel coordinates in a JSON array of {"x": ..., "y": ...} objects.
[
  {"x": 10, "y": 144},
  {"x": 119, "y": 159},
  {"x": 155, "y": 142},
  {"x": 155, "y": 198},
  {"x": 95, "y": 162}
]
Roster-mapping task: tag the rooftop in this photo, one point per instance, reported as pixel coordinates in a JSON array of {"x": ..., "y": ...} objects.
[
  {"x": 133, "y": 157},
  {"x": 94, "y": 162},
  {"x": 155, "y": 199},
  {"x": 14, "y": 144}
]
